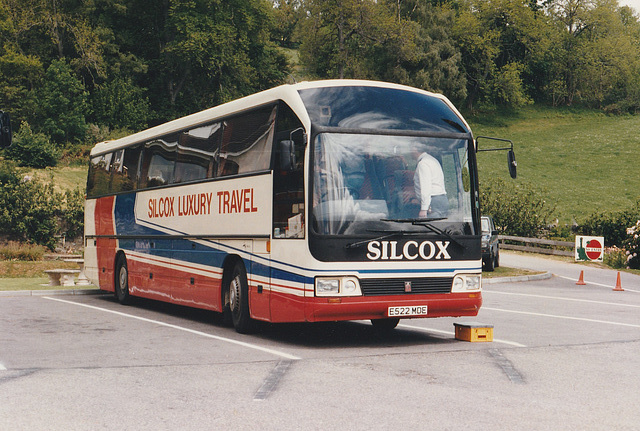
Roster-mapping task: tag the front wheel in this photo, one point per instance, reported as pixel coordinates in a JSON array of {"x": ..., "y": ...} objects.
[
  {"x": 238, "y": 294},
  {"x": 384, "y": 324},
  {"x": 489, "y": 264},
  {"x": 122, "y": 281}
]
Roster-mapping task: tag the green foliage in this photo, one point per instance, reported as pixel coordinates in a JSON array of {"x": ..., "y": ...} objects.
[
  {"x": 32, "y": 149},
  {"x": 517, "y": 208},
  {"x": 612, "y": 225},
  {"x": 120, "y": 103},
  {"x": 72, "y": 213},
  {"x": 31, "y": 210},
  {"x": 19, "y": 74},
  {"x": 615, "y": 258},
  {"x": 64, "y": 103},
  {"x": 507, "y": 87},
  {"x": 28, "y": 212}
]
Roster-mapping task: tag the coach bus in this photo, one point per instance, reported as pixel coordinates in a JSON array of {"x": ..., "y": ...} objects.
[{"x": 296, "y": 204}]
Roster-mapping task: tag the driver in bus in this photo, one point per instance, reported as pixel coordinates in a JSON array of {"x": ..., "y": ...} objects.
[{"x": 428, "y": 182}]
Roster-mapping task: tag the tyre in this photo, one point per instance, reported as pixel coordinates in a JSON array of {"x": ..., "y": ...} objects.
[
  {"x": 121, "y": 281},
  {"x": 238, "y": 295},
  {"x": 384, "y": 324},
  {"x": 488, "y": 263},
  {"x": 497, "y": 261}
]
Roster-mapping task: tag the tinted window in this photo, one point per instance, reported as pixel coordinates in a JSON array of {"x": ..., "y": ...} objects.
[
  {"x": 246, "y": 142},
  {"x": 379, "y": 108},
  {"x": 288, "y": 184},
  {"x": 99, "y": 179},
  {"x": 124, "y": 169},
  {"x": 158, "y": 162},
  {"x": 197, "y": 151}
]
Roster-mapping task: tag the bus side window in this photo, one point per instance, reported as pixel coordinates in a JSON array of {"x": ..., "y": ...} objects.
[
  {"x": 247, "y": 141},
  {"x": 98, "y": 182},
  {"x": 158, "y": 163},
  {"x": 197, "y": 150},
  {"x": 288, "y": 184},
  {"x": 124, "y": 170}
]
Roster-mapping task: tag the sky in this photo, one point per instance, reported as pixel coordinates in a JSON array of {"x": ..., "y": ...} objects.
[{"x": 633, "y": 3}]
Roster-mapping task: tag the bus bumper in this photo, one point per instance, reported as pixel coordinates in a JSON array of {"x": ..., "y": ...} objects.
[{"x": 365, "y": 308}]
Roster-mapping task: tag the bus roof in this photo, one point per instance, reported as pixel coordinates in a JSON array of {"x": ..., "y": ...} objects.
[{"x": 287, "y": 93}]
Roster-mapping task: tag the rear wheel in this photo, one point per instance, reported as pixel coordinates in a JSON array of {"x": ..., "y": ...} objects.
[
  {"x": 122, "y": 281},
  {"x": 238, "y": 295}
]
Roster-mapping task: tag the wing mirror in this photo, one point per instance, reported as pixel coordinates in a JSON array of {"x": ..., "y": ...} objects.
[{"x": 511, "y": 155}]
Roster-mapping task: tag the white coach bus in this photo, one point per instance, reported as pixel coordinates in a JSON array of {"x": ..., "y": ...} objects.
[{"x": 296, "y": 204}]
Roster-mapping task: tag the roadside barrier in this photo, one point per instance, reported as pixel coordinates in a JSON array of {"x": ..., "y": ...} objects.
[{"x": 537, "y": 245}]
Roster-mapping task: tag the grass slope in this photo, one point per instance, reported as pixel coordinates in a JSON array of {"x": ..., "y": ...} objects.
[{"x": 585, "y": 161}]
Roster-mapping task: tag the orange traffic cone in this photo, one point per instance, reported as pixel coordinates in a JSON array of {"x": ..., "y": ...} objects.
[
  {"x": 581, "y": 279},
  {"x": 618, "y": 287}
]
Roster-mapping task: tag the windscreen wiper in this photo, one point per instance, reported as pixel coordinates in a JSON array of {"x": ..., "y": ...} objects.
[{"x": 426, "y": 222}]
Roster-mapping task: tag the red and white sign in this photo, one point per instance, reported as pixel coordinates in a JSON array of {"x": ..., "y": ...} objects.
[{"x": 590, "y": 248}]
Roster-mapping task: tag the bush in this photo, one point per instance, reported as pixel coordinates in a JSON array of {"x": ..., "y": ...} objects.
[
  {"x": 32, "y": 149},
  {"x": 517, "y": 208},
  {"x": 612, "y": 226},
  {"x": 72, "y": 217},
  {"x": 615, "y": 258},
  {"x": 29, "y": 209},
  {"x": 18, "y": 251},
  {"x": 632, "y": 244}
]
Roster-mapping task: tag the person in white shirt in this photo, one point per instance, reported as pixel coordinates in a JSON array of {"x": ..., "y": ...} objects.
[{"x": 428, "y": 182}]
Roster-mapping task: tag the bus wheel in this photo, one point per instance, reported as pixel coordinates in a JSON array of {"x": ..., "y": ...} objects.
[
  {"x": 122, "y": 281},
  {"x": 239, "y": 300},
  {"x": 384, "y": 324}
]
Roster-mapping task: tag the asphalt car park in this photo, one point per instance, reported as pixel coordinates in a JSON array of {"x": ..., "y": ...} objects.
[{"x": 563, "y": 357}]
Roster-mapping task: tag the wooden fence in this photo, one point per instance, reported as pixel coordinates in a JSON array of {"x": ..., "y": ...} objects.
[{"x": 537, "y": 245}]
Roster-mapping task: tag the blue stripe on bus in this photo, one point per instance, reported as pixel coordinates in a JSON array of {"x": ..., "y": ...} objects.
[{"x": 192, "y": 252}]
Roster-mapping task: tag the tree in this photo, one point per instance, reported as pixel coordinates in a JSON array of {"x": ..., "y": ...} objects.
[
  {"x": 63, "y": 100},
  {"x": 287, "y": 15},
  {"x": 597, "y": 61},
  {"x": 200, "y": 53},
  {"x": 438, "y": 62},
  {"x": 119, "y": 103},
  {"x": 20, "y": 74},
  {"x": 500, "y": 42}
]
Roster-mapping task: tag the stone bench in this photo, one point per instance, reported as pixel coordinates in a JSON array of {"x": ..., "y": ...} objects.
[
  {"x": 82, "y": 279},
  {"x": 62, "y": 277}
]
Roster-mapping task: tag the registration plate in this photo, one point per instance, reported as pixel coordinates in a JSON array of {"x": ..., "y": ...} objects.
[{"x": 414, "y": 310}]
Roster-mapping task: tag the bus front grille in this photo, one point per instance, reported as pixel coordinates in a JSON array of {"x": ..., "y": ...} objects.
[{"x": 405, "y": 286}]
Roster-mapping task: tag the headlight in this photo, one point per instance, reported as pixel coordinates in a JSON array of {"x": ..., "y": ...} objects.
[
  {"x": 337, "y": 286},
  {"x": 466, "y": 283}
]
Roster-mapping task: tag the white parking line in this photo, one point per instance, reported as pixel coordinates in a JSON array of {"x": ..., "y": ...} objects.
[
  {"x": 3, "y": 368},
  {"x": 180, "y": 328},
  {"x": 439, "y": 331},
  {"x": 561, "y": 298},
  {"x": 555, "y": 316}
]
